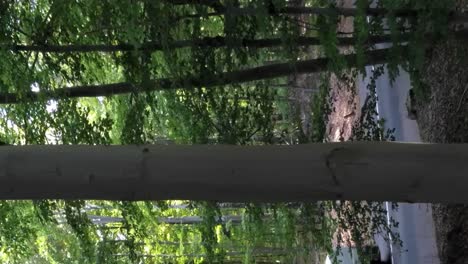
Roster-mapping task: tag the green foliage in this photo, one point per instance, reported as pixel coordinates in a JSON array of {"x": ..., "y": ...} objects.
[
  {"x": 428, "y": 26},
  {"x": 72, "y": 125},
  {"x": 53, "y": 231},
  {"x": 362, "y": 29},
  {"x": 370, "y": 127},
  {"x": 328, "y": 36},
  {"x": 18, "y": 227},
  {"x": 45, "y": 210},
  {"x": 133, "y": 229},
  {"x": 321, "y": 109},
  {"x": 84, "y": 230},
  {"x": 210, "y": 214}
]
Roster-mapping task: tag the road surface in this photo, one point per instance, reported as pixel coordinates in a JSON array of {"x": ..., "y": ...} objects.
[{"x": 416, "y": 226}]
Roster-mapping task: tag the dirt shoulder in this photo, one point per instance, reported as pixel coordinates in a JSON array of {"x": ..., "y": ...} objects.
[
  {"x": 343, "y": 92},
  {"x": 444, "y": 119}
]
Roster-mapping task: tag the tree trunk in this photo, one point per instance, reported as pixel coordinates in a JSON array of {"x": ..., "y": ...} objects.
[
  {"x": 264, "y": 253},
  {"x": 207, "y": 42},
  {"x": 186, "y": 220},
  {"x": 311, "y": 172},
  {"x": 336, "y": 11},
  {"x": 215, "y": 4},
  {"x": 242, "y": 76},
  {"x": 294, "y": 10},
  {"x": 454, "y": 17},
  {"x": 91, "y": 207}
]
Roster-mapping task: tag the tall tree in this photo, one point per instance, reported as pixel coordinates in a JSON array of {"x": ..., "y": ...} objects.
[
  {"x": 272, "y": 9},
  {"x": 387, "y": 172},
  {"x": 146, "y": 45},
  {"x": 206, "y": 42},
  {"x": 248, "y": 75}
]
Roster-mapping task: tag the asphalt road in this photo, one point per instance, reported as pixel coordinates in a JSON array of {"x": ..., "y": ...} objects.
[{"x": 416, "y": 226}]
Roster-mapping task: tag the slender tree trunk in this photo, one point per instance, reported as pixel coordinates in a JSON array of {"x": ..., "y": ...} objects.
[
  {"x": 208, "y": 42},
  {"x": 162, "y": 242},
  {"x": 265, "y": 253},
  {"x": 337, "y": 11},
  {"x": 186, "y": 220},
  {"x": 242, "y": 76},
  {"x": 220, "y": 205},
  {"x": 90, "y": 207},
  {"x": 215, "y": 4},
  {"x": 454, "y": 16},
  {"x": 294, "y": 10},
  {"x": 311, "y": 172}
]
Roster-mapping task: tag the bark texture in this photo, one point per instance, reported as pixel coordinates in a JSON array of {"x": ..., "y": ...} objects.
[{"x": 311, "y": 172}]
